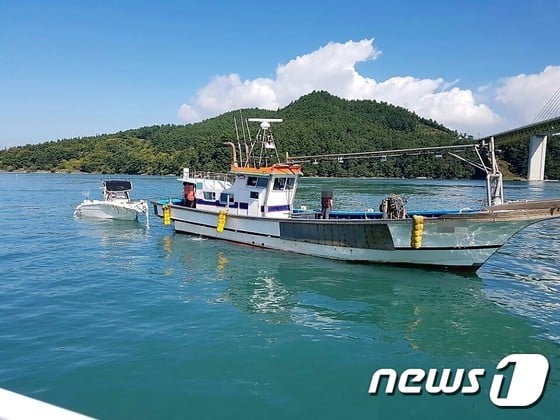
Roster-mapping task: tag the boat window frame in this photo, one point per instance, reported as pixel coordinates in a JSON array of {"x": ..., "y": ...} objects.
[
  {"x": 257, "y": 181},
  {"x": 290, "y": 182},
  {"x": 262, "y": 182},
  {"x": 284, "y": 183},
  {"x": 229, "y": 200},
  {"x": 279, "y": 183},
  {"x": 209, "y": 195}
]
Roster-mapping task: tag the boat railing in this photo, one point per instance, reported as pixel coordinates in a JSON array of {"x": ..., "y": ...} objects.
[
  {"x": 212, "y": 176},
  {"x": 304, "y": 214}
]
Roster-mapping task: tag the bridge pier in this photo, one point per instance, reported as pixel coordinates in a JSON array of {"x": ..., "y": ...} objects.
[{"x": 537, "y": 155}]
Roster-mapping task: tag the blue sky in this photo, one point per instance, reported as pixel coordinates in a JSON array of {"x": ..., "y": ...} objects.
[{"x": 80, "y": 68}]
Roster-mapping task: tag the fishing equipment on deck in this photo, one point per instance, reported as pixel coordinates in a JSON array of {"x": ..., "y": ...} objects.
[{"x": 393, "y": 207}]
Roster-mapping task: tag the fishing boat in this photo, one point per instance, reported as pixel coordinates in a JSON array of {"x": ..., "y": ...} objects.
[
  {"x": 116, "y": 203},
  {"x": 254, "y": 204}
]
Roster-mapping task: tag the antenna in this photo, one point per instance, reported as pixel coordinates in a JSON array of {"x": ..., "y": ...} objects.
[
  {"x": 238, "y": 140},
  {"x": 265, "y": 140},
  {"x": 265, "y": 120}
]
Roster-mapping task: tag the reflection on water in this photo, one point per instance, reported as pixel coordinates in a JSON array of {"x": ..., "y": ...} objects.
[
  {"x": 112, "y": 231},
  {"x": 115, "y": 243},
  {"x": 526, "y": 279},
  {"x": 439, "y": 312}
]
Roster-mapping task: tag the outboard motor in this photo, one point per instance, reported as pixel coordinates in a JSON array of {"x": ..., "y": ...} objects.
[{"x": 393, "y": 207}]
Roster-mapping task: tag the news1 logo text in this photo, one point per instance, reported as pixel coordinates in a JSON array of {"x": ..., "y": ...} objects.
[{"x": 523, "y": 388}]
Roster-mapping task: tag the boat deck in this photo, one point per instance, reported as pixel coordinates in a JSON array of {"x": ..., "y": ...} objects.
[{"x": 363, "y": 215}]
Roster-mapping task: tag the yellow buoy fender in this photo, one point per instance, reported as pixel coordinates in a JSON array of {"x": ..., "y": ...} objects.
[
  {"x": 417, "y": 231},
  {"x": 166, "y": 215},
  {"x": 222, "y": 216}
]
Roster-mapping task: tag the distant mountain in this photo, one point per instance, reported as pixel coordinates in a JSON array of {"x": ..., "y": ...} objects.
[{"x": 316, "y": 123}]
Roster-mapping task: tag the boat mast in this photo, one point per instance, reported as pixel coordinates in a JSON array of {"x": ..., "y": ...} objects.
[
  {"x": 265, "y": 140},
  {"x": 238, "y": 141},
  {"x": 494, "y": 179}
]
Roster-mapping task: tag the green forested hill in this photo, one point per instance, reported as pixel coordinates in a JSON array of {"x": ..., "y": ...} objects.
[{"x": 316, "y": 123}]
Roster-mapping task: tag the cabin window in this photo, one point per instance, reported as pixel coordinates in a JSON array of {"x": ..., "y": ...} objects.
[
  {"x": 208, "y": 195},
  {"x": 290, "y": 183},
  {"x": 279, "y": 183},
  {"x": 254, "y": 194},
  {"x": 257, "y": 181},
  {"x": 226, "y": 198}
]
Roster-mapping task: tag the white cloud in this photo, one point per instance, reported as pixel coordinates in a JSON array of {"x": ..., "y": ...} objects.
[
  {"x": 333, "y": 68},
  {"x": 525, "y": 95},
  {"x": 188, "y": 113},
  {"x": 330, "y": 68},
  {"x": 226, "y": 93}
]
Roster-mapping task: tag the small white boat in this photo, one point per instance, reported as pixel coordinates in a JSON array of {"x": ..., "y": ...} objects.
[
  {"x": 253, "y": 205},
  {"x": 116, "y": 203}
]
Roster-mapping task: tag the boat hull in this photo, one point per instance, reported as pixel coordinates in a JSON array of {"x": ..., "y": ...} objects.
[
  {"x": 457, "y": 241},
  {"x": 106, "y": 210}
]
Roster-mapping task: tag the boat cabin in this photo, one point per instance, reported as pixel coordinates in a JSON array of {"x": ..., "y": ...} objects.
[
  {"x": 254, "y": 187},
  {"x": 116, "y": 189},
  {"x": 261, "y": 195},
  {"x": 267, "y": 192}
]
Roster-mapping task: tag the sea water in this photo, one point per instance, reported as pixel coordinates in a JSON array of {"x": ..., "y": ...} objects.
[{"x": 121, "y": 320}]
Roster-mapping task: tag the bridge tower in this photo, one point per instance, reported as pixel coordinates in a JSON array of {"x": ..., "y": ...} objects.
[
  {"x": 548, "y": 118},
  {"x": 537, "y": 156}
]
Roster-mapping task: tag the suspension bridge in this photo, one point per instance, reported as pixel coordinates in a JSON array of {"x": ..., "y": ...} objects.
[
  {"x": 547, "y": 123},
  {"x": 538, "y": 134}
]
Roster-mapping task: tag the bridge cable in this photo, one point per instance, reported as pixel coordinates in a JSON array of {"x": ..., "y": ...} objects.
[{"x": 551, "y": 109}]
